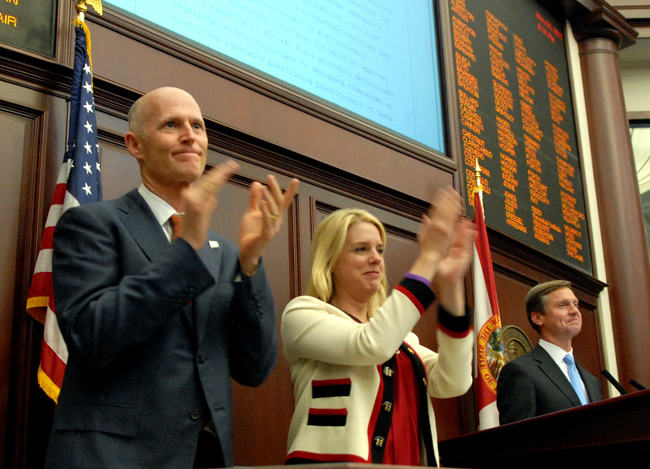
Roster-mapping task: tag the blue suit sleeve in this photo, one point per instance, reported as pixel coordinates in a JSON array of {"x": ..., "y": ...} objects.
[
  {"x": 103, "y": 313},
  {"x": 254, "y": 339}
]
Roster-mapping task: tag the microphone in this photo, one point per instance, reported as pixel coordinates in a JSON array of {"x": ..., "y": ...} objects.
[
  {"x": 637, "y": 385},
  {"x": 615, "y": 383}
]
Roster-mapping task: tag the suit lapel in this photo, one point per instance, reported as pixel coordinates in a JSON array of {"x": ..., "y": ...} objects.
[
  {"x": 146, "y": 232},
  {"x": 210, "y": 254},
  {"x": 554, "y": 373},
  {"x": 142, "y": 224}
]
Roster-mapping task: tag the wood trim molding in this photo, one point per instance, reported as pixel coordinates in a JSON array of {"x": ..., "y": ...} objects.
[
  {"x": 448, "y": 74},
  {"x": 295, "y": 258},
  {"x": 638, "y": 116},
  {"x": 238, "y": 145}
]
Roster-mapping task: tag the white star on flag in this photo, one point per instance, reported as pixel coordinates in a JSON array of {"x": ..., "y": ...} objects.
[
  {"x": 87, "y": 68},
  {"x": 88, "y": 88},
  {"x": 86, "y": 187},
  {"x": 88, "y": 168},
  {"x": 89, "y": 127},
  {"x": 88, "y": 147},
  {"x": 89, "y": 107},
  {"x": 98, "y": 168}
]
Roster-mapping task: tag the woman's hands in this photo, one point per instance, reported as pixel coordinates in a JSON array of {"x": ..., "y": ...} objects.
[
  {"x": 450, "y": 276},
  {"x": 437, "y": 228},
  {"x": 446, "y": 243}
]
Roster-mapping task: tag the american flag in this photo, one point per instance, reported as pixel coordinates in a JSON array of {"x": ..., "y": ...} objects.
[{"x": 78, "y": 183}]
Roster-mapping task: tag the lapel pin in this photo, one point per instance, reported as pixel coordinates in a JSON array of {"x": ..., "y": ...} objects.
[{"x": 214, "y": 244}]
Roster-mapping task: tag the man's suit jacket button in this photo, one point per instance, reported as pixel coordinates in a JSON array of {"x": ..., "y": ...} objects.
[
  {"x": 195, "y": 414},
  {"x": 200, "y": 359}
]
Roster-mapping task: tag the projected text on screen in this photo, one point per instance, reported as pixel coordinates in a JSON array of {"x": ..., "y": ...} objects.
[{"x": 374, "y": 58}]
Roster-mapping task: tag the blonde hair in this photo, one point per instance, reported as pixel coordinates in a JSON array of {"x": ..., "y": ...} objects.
[{"x": 326, "y": 248}]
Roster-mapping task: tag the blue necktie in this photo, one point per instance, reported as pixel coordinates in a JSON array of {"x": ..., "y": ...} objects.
[{"x": 574, "y": 377}]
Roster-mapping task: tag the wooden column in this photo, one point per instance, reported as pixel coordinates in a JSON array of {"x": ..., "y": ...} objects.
[{"x": 600, "y": 34}]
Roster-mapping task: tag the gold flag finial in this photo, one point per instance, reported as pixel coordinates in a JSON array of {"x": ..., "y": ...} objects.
[
  {"x": 479, "y": 187},
  {"x": 82, "y": 7}
]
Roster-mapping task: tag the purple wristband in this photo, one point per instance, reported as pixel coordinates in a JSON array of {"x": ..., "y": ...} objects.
[{"x": 418, "y": 278}]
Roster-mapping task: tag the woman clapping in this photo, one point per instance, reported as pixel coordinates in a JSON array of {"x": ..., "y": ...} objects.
[{"x": 361, "y": 379}]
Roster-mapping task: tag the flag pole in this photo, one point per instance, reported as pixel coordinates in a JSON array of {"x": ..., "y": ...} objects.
[
  {"x": 479, "y": 188},
  {"x": 81, "y": 10}
]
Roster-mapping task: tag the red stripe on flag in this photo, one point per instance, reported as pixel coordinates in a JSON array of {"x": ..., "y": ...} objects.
[
  {"x": 40, "y": 295},
  {"x": 59, "y": 194},
  {"x": 46, "y": 240},
  {"x": 41, "y": 284},
  {"x": 52, "y": 365},
  {"x": 483, "y": 249}
]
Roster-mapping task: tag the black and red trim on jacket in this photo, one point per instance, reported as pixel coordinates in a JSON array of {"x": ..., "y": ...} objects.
[{"x": 379, "y": 426}]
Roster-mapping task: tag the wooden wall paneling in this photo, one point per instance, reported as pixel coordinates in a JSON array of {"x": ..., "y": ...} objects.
[
  {"x": 15, "y": 131},
  {"x": 120, "y": 171},
  {"x": 37, "y": 418},
  {"x": 261, "y": 416},
  {"x": 25, "y": 118},
  {"x": 34, "y": 120}
]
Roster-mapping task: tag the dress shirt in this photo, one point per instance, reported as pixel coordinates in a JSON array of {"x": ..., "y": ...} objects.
[{"x": 161, "y": 209}]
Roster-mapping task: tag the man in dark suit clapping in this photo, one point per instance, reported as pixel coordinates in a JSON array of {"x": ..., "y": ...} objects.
[{"x": 157, "y": 312}]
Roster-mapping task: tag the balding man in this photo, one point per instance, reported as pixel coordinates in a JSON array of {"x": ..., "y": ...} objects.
[
  {"x": 157, "y": 312},
  {"x": 547, "y": 379}
]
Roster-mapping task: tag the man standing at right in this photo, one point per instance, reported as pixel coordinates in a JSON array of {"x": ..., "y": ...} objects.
[{"x": 547, "y": 379}]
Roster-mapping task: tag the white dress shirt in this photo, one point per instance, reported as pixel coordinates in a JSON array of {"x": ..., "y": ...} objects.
[{"x": 161, "y": 209}]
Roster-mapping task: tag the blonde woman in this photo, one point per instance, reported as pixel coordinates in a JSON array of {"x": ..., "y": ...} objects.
[{"x": 361, "y": 379}]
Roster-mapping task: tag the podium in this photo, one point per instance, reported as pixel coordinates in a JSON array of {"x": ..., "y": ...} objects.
[{"x": 603, "y": 434}]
